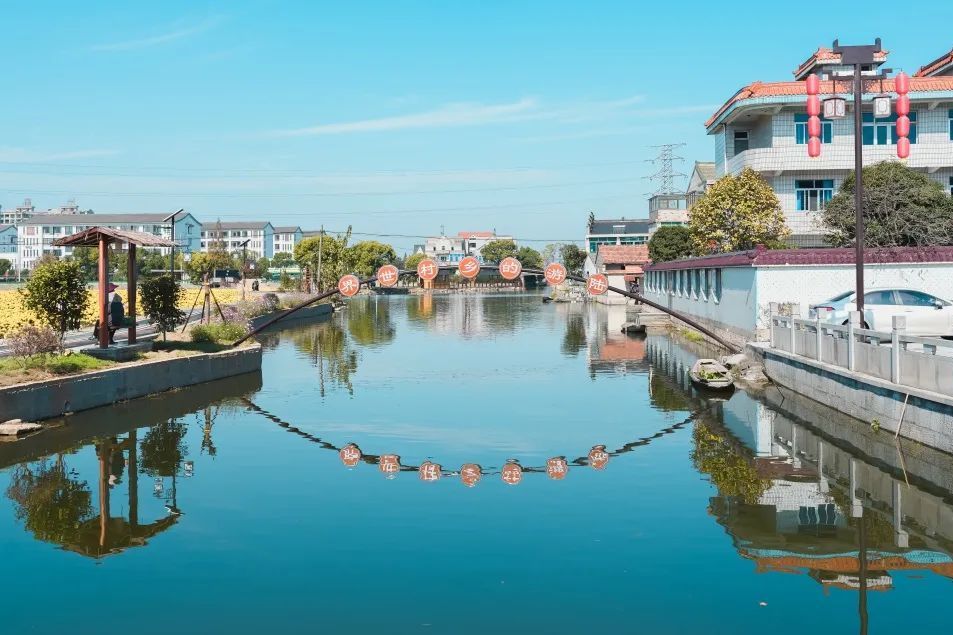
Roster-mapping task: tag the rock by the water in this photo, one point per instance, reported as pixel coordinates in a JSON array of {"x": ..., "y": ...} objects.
[{"x": 15, "y": 427}]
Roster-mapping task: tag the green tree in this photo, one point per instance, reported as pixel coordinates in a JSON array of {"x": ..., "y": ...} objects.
[
  {"x": 367, "y": 256},
  {"x": 550, "y": 253},
  {"x": 902, "y": 208},
  {"x": 529, "y": 258},
  {"x": 736, "y": 213},
  {"x": 497, "y": 250},
  {"x": 670, "y": 243},
  {"x": 56, "y": 293},
  {"x": 5, "y": 266},
  {"x": 205, "y": 263},
  {"x": 413, "y": 260},
  {"x": 51, "y": 502},
  {"x": 261, "y": 268},
  {"x": 160, "y": 296},
  {"x": 334, "y": 257},
  {"x": 573, "y": 258},
  {"x": 282, "y": 259}
]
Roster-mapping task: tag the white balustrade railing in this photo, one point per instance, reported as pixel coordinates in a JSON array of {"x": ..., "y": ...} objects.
[{"x": 906, "y": 360}]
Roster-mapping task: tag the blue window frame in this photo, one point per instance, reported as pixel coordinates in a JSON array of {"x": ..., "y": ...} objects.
[
  {"x": 951, "y": 186},
  {"x": 800, "y": 129},
  {"x": 813, "y": 194},
  {"x": 951, "y": 124},
  {"x": 880, "y": 132}
]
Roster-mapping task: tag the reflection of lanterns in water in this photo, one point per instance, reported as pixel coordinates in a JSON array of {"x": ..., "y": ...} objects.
[
  {"x": 189, "y": 468},
  {"x": 598, "y": 457},
  {"x": 557, "y": 468},
  {"x": 429, "y": 471},
  {"x": 157, "y": 488},
  {"x": 350, "y": 455},
  {"x": 389, "y": 464},
  {"x": 470, "y": 474},
  {"x": 512, "y": 473}
]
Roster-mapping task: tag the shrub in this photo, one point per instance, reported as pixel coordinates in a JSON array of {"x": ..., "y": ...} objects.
[
  {"x": 160, "y": 297},
  {"x": 32, "y": 344},
  {"x": 218, "y": 333},
  {"x": 253, "y": 308},
  {"x": 56, "y": 293}
]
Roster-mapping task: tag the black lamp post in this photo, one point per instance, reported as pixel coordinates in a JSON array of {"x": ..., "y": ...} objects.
[{"x": 171, "y": 217}]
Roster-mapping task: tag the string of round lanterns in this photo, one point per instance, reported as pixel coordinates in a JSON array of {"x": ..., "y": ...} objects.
[
  {"x": 813, "y": 112},
  {"x": 902, "y": 86}
]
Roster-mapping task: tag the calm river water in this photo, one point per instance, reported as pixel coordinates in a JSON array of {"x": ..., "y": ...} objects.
[{"x": 600, "y": 493}]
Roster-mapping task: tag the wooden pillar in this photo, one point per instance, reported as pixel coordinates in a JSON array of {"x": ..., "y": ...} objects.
[
  {"x": 131, "y": 292},
  {"x": 103, "y": 294}
]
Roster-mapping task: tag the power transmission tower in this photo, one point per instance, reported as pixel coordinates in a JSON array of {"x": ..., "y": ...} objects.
[{"x": 665, "y": 175}]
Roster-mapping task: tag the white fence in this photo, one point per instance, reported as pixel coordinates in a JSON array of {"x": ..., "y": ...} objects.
[{"x": 917, "y": 362}]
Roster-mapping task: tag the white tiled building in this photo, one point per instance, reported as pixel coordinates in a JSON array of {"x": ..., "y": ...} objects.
[
  {"x": 259, "y": 234},
  {"x": 474, "y": 242},
  {"x": 8, "y": 243},
  {"x": 286, "y": 238},
  {"x": 764, "y": 127}
]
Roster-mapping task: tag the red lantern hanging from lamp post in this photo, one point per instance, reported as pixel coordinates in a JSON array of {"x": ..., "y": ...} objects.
[
  {"x": 814, "y": 121},
  {"x": 901, "y": 84}
]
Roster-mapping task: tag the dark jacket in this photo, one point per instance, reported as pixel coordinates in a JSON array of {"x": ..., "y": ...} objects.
[{"x": 117, "y": 313}]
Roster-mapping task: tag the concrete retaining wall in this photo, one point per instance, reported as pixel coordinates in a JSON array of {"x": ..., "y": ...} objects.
[
  {"x": 928, "y": 418},
  {"x": 307, "y": 313},
  {"x": 44, "y": 399}
]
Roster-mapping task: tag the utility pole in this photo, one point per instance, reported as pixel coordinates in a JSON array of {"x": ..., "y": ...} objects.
[{"x": 320, "y": 249}]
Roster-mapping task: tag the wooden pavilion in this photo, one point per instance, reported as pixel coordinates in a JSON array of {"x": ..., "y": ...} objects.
[{"x": 102, "y": 237}]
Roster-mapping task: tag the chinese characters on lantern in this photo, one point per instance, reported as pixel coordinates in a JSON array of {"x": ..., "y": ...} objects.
[
  {"x": 389, "y": 464},
  {"x": 387, "y": 276},
  {"x": 598, "y": 457},
  {"x": 350, "y": 455},
  {"x": 512, "y": 473},
  {"x": 557, "y": 468},
  {"x": 349, "y": 285},
  {"x": 429, "y": 471},
  {"x": 427, "y": 269},
  {"x": 510, "y": 268},
  {"x": 555, "y": 273},
  {"x": 470, "y": 474},
  {"x": 469, "y": 267},
  {"x": 597, "y": 284}
]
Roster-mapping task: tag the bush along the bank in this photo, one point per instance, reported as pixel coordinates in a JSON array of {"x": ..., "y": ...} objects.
[{"x": 218, "y": 333}]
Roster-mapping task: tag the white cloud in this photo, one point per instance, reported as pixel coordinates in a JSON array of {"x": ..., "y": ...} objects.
[
  {"x": 21, "y": 155},
  {"x": 162, "y": 38}
]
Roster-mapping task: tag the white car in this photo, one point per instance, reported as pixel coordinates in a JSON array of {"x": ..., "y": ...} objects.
[{"x": 927, "y": 315}]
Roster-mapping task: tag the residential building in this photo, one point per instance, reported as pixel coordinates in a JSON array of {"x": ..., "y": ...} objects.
[
  {"x": 18, "y": 214},
  {"x": 622, "y": 265},
  {"x": 733, "y": 293},
  {"x": 763, "y": 126},
  {"x": 474, "y": 242},
  {"x": 616, "y": 232},
  {"x": 445, "y": 250},
  {"x": 702, "y": 178},
  {"x": 8, "y": 242},
  {"x": 35, "y": 235},
  {"x": 286, "y": 237},
  {"x": 259, "y": 234},
  {"x": 667, "y": 210}
]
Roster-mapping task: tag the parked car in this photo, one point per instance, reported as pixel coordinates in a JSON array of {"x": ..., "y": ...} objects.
[{"x": 926, "y": 314}]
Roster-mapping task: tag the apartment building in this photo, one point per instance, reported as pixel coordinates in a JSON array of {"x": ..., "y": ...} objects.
[
  {"x": 474, "y": 242},
  {"x": 616, "y": 232},
  {"x": 286, "y": 237},
  {"x": 35, "y": 235},
  {"x": 259, "y": 234},
  {"x": 763, "y": 126},
  {"x": 8, "y": 243},
  {"x": 445, "y": 249}
]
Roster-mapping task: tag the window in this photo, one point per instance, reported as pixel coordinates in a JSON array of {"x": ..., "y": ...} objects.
[
  {"x": 879, "y": 297},
  {"x": 716, "y": 284},
  {"x": 813, "y": 195},
  {"x": 699, "y": 290},
  {"x": 800, "y": 129},
  {"x": 918, "y": 298},
  {"x": 706, "y": 283},
  {"x": 951, "y": 126},
  {"x": 741, "y": 141},
  {"x": 880, "y": 132}
]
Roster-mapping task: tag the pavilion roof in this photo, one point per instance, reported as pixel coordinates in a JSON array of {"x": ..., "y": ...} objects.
[{"x": 90, "y": 238}]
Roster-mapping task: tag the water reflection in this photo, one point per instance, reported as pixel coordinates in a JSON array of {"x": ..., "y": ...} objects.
[{"x": 327, "y": 347}]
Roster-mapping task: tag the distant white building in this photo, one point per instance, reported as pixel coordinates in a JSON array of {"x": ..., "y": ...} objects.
[
  {"x": 286, "y": 237},
  {"x": 259, "y": 234},
  {"x": 474, "y": 242},
  {"x": 445, "y": 249},
  {"x": 18, "y": 214},
  {"x": 620, "y": 231}
]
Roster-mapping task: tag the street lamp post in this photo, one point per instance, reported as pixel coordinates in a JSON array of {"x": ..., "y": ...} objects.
[
  {"x": 171, "y": 217},
  {"x": 244, "y": 264}
]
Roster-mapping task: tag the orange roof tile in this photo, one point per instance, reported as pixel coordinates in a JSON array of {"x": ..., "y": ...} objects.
[
  {"x": 823, "y": 54},
  {"x": 777, "y": 89},
  {"x": 938, "y": 63},
  {"x": 624, "y": 254}
]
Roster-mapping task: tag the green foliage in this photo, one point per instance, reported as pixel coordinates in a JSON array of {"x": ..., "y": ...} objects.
[
  {"x": 573, "y": 258},
  {"x": 497, "y": 250},
  {"x": 736, "y": 213},
  {"x": 74, "y": 363},
  {"x": 5, "y": 266},
  {"x": 50, "y": 502},
  {"x": 160, "y": 302},
  {"x": 529, "y": 258},
  {"x": 205, "y": 263},
  {"x": 730, "y": 472},
  {"x": 282, "y": 259},
  {"x": 261, "y": 268},
  {"x": 413, "y": 260},
  {"x": 367, "y": 256},
  {"x": 56, "y": 294},
  {"x": 335, "y": 257},
  {"x": 902, "y": 208},
  {"x": 218, "y": 332},
  {"x": 670, "y": 243}
]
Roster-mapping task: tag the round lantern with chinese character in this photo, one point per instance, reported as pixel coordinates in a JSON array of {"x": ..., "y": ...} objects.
[
  {"x": 557, "y": 468},
  {"x": 597, "y": 284},
  {"x": 598, "y": 457},
  {"x": 389, "y": 464},
  {"x": 470, "y": 474},
  {"x": 387, "y": 276},
  {"x": 512, "y": 473},
  {"x": 427, "y": 269},
  {"x": 350, "y": 455},
  {"x": 469, "y": 267},
  {"x": 349, "y": 285},
  {"x": 510, "y": 268},
  {"x": 555, "y": 273},
  {"x": 429, "y": 471}
]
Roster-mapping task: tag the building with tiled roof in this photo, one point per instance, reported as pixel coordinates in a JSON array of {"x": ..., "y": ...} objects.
[
  {"x": 230, "y": 236},
  {"x": 763, "y": 126},
  {"x": 8, "y": 242}
]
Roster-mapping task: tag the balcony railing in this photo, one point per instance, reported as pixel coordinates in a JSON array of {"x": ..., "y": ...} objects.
[{"x": 837, "y": 156}]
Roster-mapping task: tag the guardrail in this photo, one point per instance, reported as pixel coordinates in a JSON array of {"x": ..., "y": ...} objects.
[{"x": 894, "y": 356}]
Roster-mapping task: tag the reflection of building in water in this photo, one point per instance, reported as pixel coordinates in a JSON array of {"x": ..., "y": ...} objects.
[
  {"x": 611, "y": 350},
  {"x": 796, "y": 502}
]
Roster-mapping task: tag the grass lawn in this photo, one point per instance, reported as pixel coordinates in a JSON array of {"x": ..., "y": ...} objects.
[{"x": 17, "y": 371}]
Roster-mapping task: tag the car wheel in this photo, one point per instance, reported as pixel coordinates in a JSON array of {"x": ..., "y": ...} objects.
[{"x": 863, "y": 325}]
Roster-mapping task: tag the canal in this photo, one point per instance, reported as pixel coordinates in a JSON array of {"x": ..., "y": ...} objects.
[{"x": 472, "y": 464}]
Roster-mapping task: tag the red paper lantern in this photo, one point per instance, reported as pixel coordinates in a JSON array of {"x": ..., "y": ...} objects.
[
  {"x": 813, "y": 105},
  {"x": 903, "y": 147},
  {"x": 814, "y": 127},
  {"x": 813, "y": 84},
  {"x": 814, "y": 147},
  {"x": 903, "y": 104},
  {"x": 903, "y": 126},
  {"x": 902, "y": 83}
]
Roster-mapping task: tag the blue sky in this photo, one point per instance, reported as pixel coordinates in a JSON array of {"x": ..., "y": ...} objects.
[{"x": 394, "y": 117}]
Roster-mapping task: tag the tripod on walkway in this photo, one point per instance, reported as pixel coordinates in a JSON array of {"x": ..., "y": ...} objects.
[{"x": 207, "y": 299}]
